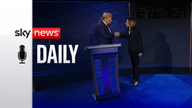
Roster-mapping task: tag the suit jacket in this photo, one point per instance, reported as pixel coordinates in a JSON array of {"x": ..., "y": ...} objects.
[
  {"x": 102, "y": 34},
  {"x": 135, "y": 43}
]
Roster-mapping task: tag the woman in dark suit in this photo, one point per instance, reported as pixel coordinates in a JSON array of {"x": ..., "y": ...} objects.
[{"x": 135, "y": 47}]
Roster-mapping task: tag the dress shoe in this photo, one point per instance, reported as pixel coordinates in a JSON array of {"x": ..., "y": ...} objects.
[{"x": 136, "y": 83}]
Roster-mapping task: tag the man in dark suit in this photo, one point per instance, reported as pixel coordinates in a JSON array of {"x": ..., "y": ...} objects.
[{"x": 102, "y": 31}]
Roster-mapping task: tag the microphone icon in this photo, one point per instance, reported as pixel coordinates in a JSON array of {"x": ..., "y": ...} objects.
[{"x": 22, "y": 55}]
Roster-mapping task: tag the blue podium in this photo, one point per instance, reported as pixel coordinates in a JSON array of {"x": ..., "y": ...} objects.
[{"x": 105, "y": 71}]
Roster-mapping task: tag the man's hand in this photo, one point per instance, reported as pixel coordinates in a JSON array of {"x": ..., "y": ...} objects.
[{"x": 117, "y": 34}]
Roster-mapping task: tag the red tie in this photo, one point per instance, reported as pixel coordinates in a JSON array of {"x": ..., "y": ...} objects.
[{"x": 107, "y": 26}]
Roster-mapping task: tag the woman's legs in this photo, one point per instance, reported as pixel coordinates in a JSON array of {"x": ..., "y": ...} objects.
[
  {"x": 135, "y": 66},
  {"x": 132, "y": 69}
]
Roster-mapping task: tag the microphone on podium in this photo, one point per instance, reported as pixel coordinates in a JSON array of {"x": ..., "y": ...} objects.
[{"x": 22, "y": 55}]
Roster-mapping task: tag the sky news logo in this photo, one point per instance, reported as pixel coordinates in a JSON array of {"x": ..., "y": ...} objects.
[
  {"x": 46, "y": 33},
  {"x": 50, "y": 54}
]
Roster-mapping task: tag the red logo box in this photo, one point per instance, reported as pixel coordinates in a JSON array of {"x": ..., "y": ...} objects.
[{"x": 46, "y": 33}]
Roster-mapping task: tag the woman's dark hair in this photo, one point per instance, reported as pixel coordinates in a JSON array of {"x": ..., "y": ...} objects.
[{"x": 132, "y": 23}]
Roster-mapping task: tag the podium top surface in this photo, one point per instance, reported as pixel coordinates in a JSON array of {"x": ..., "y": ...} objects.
[{"x": 103, "y": 46}]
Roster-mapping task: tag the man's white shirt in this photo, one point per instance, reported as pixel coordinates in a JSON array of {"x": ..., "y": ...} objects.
[{"x": 106, "y": 25}]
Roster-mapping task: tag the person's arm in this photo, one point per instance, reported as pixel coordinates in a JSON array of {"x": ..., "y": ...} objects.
[
  {"x": 123, "y": 35},
  {"x": 139, "y": 40},
  {"x": 104, "y": 34}
]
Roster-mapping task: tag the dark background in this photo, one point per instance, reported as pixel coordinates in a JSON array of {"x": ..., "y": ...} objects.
[{"x": 166, "y": 41}]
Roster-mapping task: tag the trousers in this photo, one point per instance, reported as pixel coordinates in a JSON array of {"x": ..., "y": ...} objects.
[{"x": 135, "y": 65}]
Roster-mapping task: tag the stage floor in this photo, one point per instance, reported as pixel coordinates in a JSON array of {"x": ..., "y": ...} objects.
[{"x": 154, "y": 91}]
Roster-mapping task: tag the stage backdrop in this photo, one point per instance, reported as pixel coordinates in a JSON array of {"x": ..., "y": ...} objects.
[{"x": 166, "y": 42}]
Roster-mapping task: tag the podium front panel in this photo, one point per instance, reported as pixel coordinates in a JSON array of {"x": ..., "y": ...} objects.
[
  {"x": 105, "y": 70},
  {"x": 106, "y": 74}
]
